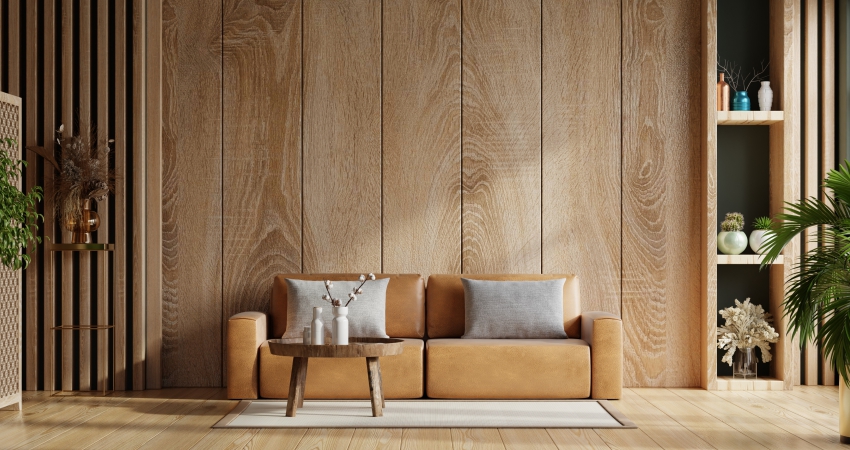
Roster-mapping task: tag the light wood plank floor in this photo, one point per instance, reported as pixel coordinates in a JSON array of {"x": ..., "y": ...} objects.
[{"x": 806, "y": 418}]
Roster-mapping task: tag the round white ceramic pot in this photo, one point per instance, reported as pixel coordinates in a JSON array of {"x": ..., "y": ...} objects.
[
  {"x": 756, "y": 240},
  {"x": 731, "y": 242}
]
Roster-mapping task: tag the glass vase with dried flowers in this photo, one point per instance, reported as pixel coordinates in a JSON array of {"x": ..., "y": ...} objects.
[{"x": 84, "y": 178}]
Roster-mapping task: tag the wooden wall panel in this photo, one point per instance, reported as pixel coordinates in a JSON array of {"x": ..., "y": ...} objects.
[
  {"x": 661, "y": 193},
  {"x": 49, "y": 235},
  {"x": 421, "y": 137},
  {"x": 85, "y": 128},
  {"x": 262, "y": 150},
  {"x": 581, "y": 147},
  {"x": 811, "y": 175},
  {"x": 138, "y": 198},
  {"x": 501, "y": 136},
  {"x": 31, "y": 109},
  {"x": 119, "y": 283},
  {"x": 102, "y": 125},
  {"x": 827, "y": 122},
  {"x": 342, "y": 136},
  {"x": 67, "y": 120},
  {"x": 153, "y": 193},
  {"x": 191, "y": 194}
]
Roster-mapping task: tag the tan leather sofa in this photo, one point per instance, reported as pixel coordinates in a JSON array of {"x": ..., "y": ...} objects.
[
  {"x": 252, "y": 371},
  {"x": 587, "y": 364}
]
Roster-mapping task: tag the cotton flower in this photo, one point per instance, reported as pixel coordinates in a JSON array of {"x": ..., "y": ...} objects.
[
  {"x": 328, "y": 283},
  {"x": 372, "y": 276},
  {"x": 362, "y": 278},
  {"x": 352, "y": 297},
  {"x": 359, "y": 291}
]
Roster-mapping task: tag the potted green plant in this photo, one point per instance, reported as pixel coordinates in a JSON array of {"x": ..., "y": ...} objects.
[
  {"x": 732, "y": 240},
  {"x": 18, "y": 215},
  {"x": 761, "y": 226},
  {"x": 818, "y": 290}
]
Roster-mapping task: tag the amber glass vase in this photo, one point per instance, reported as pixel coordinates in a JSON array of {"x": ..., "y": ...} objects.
[{"x": 89, "y": 222}]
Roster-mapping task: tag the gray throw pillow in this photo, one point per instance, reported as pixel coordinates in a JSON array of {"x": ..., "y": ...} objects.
[
  {"x": 514, "y": 309},
  {"x": 366, "y": 315}
]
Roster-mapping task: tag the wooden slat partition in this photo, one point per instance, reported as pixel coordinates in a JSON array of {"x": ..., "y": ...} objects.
[
  {"x": 501, "y": 162},
  {"x": 31, "y": 139},
  {"x": 708, "y": 244},
  {"x": 139, "y": 105},
  {"x": 342, "y": 170},
  {"x": 14, "y": 64},
  {"x": 661, "y": 193},
  {"x": 102, "y": 113},
  {"x": 421, "y": 139},
  {"x": 153, "y": 193},
  {"x": 582, "y": 148},
  {"x": 811, "y": 175},
  {"x": 119, "y": 305},
  {"x": 827, "y": 122},
  {"x": 48, "y": 171},
  {"x": 85, "y": 128},
  {"x": 67, "y": 120},
  {"x": 192, "y": 179}
]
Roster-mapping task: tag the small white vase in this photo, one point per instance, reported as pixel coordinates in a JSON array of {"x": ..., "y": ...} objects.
[
  {"x": 317, "y": 328},
  {"x": 843, "y": 411},
  {"x": 340, "y": 325},
  {"x": 731, "y": 242},
  {"x": 756, "y": 240},
  {"x": 307, "y": 338},
  {"x": 765, "y": 96}
]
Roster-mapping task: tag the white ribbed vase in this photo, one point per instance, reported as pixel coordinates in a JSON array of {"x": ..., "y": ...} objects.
[
  {"x": 765, "y": 96},
  {"x": 340, "y": 325},
  {"x": 317, "y": 328}
]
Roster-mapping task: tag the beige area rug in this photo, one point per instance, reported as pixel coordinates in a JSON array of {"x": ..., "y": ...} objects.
[{"x": 428, "y": 414}]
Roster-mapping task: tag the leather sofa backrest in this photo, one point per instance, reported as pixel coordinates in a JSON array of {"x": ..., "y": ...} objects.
[
  {"x": 446, "y": 309},
  {"x": 405, "y": 302}
]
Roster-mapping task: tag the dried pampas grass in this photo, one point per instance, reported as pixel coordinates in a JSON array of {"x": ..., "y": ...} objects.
[{"x": 84, "y": 173}]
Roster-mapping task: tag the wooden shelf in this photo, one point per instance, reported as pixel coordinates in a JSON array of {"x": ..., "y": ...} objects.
[
  {"x": 746, "y": 259},
  {"x": 754, "y": 384},
  {"x": 749, "y": 117},
  {"x": 81, "y": 247}
]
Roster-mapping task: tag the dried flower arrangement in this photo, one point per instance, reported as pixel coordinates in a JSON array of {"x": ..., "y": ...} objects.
[
  {"x": 734, "y": 222},
  {"x": 763, "y": 223},
  {"x": 352, "y": 296},
  {"x": 746, "y": 326},
  {"x": 738, "y": 82}
]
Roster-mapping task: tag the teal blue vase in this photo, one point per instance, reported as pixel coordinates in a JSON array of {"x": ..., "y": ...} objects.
[{"x": 741, "y": 102}]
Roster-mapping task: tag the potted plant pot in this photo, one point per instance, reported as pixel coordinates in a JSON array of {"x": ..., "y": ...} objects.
[
  {"x": 731, "y": 242},
  {"x": 756, "y": 239}
]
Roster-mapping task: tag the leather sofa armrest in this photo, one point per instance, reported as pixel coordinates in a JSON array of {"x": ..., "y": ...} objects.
[
  {"x": 245, "y": 333},
  {"x": 603, "y": 332}
]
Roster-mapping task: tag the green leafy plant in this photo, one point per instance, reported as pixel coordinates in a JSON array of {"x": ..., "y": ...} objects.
[
  {"x": 763, "y": 223},
  {"x": 18, "y": 215},
  {"x": 734, "y": 222},
  {"x": 818, "y": 290}
]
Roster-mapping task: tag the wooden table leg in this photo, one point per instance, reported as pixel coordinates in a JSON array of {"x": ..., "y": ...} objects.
[
  {"x": 374, "y": 369},
  {"x": 303, "y": 381},
  {"x": 296, "y": 385}
]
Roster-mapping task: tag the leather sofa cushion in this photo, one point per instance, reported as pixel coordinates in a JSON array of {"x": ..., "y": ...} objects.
[
  {"x": 507, "y": 368},
  {"x": 446, "y": 309},
  {"x": 345, "y": 378},
  {"x": 405, "y": 312}
]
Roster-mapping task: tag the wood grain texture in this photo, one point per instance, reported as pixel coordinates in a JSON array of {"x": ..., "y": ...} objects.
[
  {"x": 784, "y": 169},
  {"x": 67, "y": 119},
  {"x": 827, "y": 122},
  {"x": 119, "y": 293},
  {"x": 49, "y": 227},
  {"x": 84, "y": 101},
  {"x": 138, "y": 200},
  {"x": 581, "y": 147},
  {"x": 421, "y": 137},
  {"x": 191, "y": 194},
  {"x": 371, "y": 439},
  {"x": 102, "y": 125},
  {"x": 661, "y": 193},
  {"x": 477, "y": 439},
  {"x": 501, "y": 137},
  {"x": 261, "y": 152},
  {"x": 708, "y": 206},
  {"x": 14, "y": 63},
  {"x": 153, "y": 194},
  {"x": 30, "y": 343},
  {"x": 426, "y": 439},
  {"x": 342, "y": 136},
  {"x": 811, "y": 174}
]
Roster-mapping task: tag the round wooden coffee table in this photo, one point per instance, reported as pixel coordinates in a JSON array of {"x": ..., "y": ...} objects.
[{"x": 369, "y": 348}]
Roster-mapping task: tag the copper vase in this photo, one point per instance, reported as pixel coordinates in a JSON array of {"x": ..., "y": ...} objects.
[
  {"x": 89, "y": 222},
  {"x": 723, "y": 97}
]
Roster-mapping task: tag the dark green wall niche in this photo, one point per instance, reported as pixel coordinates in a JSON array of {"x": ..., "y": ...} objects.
[{"x": 743, "y": 155}]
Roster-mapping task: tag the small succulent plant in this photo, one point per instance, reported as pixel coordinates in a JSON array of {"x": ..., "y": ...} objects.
[
  {"x": 734, "y": 222},
  {"x": 763, "y": 223}
]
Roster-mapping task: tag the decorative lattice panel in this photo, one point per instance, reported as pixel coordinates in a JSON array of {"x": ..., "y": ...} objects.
[{"x": 10, "y": 285}]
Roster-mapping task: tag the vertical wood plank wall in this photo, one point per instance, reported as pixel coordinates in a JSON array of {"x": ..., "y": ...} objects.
[{"x": 429, "y": 136}]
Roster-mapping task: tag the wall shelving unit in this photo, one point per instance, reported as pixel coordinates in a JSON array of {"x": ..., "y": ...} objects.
[{"x": 784, "y": 180}]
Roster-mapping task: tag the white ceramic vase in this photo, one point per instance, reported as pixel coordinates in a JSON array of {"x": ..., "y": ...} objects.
[
  {"x": 317, "y": 328},
  {"x": 731, "y": 242},
  {"x": 765, "y": 96},
  {"x": 756, "y": 239},
  {"x": 340, "y": 325},
  {"x": 306, "y": 337}
]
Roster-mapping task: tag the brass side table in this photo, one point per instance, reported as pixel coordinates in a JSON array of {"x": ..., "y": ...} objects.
[{"x": 101, "y": 329}]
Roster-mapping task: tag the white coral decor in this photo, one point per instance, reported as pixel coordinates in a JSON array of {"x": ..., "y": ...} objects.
[{"x": 746, "y": 326}]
